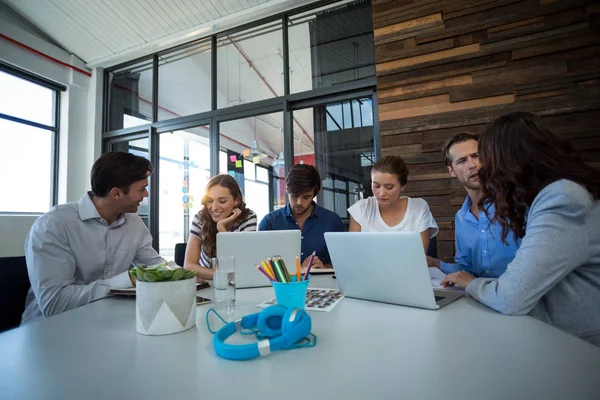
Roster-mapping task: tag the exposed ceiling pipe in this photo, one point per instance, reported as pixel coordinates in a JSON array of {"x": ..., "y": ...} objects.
[
  {"x": 46, "y": 56},
  {"x": 251, "y": 65},
  {"x": 178, "y": 115}
]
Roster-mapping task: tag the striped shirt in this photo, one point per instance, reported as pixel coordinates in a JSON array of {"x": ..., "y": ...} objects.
[{"x": 247, "y": 224}]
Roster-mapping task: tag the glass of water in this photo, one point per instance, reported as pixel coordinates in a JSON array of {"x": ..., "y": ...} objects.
[{"x": 224, "y": 285}]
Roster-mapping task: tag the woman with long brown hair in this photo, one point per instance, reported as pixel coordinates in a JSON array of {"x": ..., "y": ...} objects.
[
  {"x": 223, "y": 210},
  {"x": 545, "y": 194}
]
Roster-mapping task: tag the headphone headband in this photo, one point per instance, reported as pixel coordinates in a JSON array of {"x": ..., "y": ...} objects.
[{"x": 282, "y": 327}]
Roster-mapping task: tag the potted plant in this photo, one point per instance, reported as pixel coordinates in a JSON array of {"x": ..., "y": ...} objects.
[{"x": 165, "y": 299}]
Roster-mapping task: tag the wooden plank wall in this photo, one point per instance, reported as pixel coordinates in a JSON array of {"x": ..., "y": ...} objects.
[{"x": 454, "y": 65}]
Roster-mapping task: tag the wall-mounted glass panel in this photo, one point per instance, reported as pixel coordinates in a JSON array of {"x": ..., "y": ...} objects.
[
  {"x": 184, "y": 172},
  {"x": 330, "y": 46},
  {"x": 184, "y": 81},
  {"x": 250, "y": 65},
  {"x": 337, "y": 138},
  {"x": 249, "y": 146},
  {"x": 130, "y": 96}
]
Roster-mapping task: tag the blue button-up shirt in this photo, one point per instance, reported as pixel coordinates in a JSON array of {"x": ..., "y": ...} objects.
[
  {"x": 320, "y": 221},
  {"x": 479, "y": 247}
]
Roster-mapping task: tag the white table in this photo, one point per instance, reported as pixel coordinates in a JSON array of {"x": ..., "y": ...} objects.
[{"x": 365, "y": 350}]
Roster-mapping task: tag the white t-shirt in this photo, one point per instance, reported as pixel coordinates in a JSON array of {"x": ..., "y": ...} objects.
[{"x": 417, "y": 218}]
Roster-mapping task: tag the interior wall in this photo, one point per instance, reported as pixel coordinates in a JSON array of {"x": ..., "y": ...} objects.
[
  {"x": 449, "y": 66},
  {"x": 79, "y": 136}
]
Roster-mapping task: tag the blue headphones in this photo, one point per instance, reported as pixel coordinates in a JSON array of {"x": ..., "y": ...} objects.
[{"x": 277, "y": 327}]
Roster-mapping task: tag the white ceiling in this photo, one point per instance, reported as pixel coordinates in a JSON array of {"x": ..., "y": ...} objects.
[{"x": 105, "y": 32}]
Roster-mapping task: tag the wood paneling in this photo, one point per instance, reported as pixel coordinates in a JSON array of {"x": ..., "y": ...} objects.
[{"x": 452, "y": 66}]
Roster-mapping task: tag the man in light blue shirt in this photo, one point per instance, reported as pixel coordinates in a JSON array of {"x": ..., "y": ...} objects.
[
  {"x": 479, "y": 247},
  {"x": 78, "y": 251}
]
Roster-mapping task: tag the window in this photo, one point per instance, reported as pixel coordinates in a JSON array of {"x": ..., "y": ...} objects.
[
  {"x": 330, "y": 46},
  {"x": 130, "y": 96},
  {"x": 340, "y": 144},
  {"x": 251, "y": 101},
  {"x": 184, "y": 81},
  {"x": 249, "y": 147},
  {"x": 250, "y": 65},
  {"x": 184, "y": 169},
  {"x": 29, "y": 108}
]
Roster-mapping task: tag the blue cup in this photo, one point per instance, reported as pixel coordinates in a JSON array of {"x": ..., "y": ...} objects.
[{"x": 291, "y": 294}]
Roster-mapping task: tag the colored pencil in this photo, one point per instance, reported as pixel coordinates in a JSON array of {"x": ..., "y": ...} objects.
[
  {"x": 312, "y": 256},
  {"x": 277, "y": 269},
  {"x": 298, "y": 275},
  {"x": 263, "y": 271},
  {"x": 284, "y": 268},
  {"x": 268, "y": 270}
]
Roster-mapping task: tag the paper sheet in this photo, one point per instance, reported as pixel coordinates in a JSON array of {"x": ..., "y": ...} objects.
[
  {"x": 316, "y": 299},
  {"x": 436, "y": 277}
]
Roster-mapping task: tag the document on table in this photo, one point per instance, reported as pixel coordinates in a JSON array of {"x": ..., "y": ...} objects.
[{"x": 437, "y": 277}]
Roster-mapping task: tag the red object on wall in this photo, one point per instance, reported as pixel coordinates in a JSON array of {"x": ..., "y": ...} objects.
[{"x": 307, "y": 159}]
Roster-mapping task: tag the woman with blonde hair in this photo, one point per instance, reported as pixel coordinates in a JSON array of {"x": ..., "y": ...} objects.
[{"x": 223, "y": 210}]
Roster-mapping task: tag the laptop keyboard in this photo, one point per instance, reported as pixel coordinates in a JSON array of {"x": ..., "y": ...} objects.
[{"x": 438, "y": 298}]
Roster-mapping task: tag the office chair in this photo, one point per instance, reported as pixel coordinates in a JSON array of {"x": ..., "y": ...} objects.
[
  {"x": 14, "y": 285},
  {"x": 180, "y": 253},
  {"x": 432, "y": 249}
]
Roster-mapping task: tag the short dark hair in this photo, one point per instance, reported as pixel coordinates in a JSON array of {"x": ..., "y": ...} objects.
[
  {"x": 302, "y": 178},
  {"x": 392, "y": 165},
  {"x": 118, "y": 169},
  {"x": 458, "y": 138}
]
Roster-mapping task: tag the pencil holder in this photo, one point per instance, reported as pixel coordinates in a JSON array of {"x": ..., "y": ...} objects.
[{"x": 292, "y": 294}]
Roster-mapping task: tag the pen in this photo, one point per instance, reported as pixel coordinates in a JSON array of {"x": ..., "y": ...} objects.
[{"x": 312, "y": 256}]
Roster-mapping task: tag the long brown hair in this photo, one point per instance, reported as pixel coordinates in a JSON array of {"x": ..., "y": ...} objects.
[
  {"x": 519, "y": 157},
  {"x": 208, "y": 233}
]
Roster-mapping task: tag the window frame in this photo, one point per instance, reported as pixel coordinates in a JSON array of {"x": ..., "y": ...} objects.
[
  {"x": 286, "y": 103},
  {"x": 53, "y": 129}
]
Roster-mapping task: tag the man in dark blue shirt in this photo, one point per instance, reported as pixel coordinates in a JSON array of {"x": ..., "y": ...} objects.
[{"x": 303, "y": 184}]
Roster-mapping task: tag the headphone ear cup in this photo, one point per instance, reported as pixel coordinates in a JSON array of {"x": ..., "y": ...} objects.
[
  {"x": 295, "y": 315},
  {"x": 270, "y": 320}
]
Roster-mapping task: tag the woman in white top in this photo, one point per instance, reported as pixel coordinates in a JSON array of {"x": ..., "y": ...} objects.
[
  {"x": 223, "y": 210},
  {"x": 386, "y": 210}
]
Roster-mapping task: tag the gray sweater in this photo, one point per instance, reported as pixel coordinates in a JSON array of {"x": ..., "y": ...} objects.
[{"x": 555, "y": 275}]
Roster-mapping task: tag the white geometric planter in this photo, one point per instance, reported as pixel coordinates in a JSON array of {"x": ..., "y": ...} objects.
[{"x": 167, "y": 307}]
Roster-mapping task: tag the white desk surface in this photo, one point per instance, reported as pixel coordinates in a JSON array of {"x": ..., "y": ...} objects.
[{"x": 365, "y": 350}]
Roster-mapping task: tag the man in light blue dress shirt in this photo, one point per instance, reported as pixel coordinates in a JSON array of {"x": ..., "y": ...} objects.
[
  {"x": 479, "y": 248},
  {"x": 78, "y": 251}
]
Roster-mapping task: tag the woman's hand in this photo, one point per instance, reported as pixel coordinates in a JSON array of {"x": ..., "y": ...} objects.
[
  {"x": 225, "y": 224},
  {"x": 460, "y": 278}
]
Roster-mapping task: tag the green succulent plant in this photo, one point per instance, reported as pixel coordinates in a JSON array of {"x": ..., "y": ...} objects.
[{"x": 160, "y": 273}]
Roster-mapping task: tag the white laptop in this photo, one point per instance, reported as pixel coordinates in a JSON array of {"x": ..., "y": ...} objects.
[
  {"x": 249, "y": 248},
  {"x": 387, "y": 267}
]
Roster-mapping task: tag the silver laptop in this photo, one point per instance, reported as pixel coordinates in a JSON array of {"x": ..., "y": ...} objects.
[
  {"x": 249, "y": 248},
  {"x": 386, "y": 267}
]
